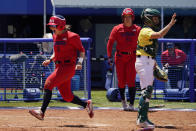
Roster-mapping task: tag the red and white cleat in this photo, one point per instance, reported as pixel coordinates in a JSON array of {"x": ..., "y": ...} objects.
[
  {"x": 89, "y": 108},
  {"x": 37, "y": 114}
]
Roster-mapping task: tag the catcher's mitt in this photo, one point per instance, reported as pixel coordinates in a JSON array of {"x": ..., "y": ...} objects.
[{"x": 160, "y": 74}]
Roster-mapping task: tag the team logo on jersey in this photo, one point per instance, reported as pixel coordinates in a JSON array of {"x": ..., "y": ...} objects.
[
  {"x": 64, "y": 38},
  {"x": 127, "y": 34},
  {"x": 59, "y": 43}
]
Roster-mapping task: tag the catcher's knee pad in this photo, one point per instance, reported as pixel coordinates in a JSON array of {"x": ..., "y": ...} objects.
[{"x": 147, "y": 92}]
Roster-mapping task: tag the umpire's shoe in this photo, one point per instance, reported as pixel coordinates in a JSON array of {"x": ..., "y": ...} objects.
[
  {"x": 89, "y": 108},
  {"x": 37, "y": 114},
  {"x": 145, "y": 124}
]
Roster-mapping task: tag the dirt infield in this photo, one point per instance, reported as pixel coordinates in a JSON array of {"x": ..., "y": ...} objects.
[{"x": 104, "y": 120}]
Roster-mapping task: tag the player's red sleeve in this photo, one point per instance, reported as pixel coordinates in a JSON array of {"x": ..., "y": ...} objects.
[
  {"x": 111, "y": 40},
  {"x": 77, "y": 43}
]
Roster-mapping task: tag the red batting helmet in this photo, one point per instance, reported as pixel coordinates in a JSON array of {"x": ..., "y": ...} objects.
[
  {"x": 58, "y": 21},
  {"x": 128, "y": 11}
]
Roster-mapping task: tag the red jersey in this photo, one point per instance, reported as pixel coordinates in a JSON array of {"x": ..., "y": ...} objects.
[
  {"x": 66, "y": 46},
  {"x": 126, "y": 38},
  {"x": 177, "y": 59}
]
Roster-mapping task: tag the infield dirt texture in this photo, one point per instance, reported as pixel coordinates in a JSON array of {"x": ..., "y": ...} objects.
[{"x": 104, "y": 120}]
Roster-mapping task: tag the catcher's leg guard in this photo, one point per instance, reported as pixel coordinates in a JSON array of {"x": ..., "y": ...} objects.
[
  {"x": 142, "y": 109},
  {"x": 144, "y": 105},
  {"x": 147, "y": 92}
]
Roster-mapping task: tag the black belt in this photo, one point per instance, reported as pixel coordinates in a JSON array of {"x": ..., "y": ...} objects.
[
  {"x": 147, "y": 57},
  {"x": 126, "y": 53},
  {"x": 59, "y": 62}
]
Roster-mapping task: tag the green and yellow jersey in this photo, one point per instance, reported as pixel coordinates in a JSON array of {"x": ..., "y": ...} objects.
[{"x": 145, "y": 41}]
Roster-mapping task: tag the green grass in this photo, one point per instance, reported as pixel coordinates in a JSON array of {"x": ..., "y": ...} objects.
[{"x": 99, "y": 100}]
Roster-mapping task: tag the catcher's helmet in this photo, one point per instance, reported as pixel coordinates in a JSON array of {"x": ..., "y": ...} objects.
[
  {"x": 58, "y": 21},
  {"x": 147, "y": 15},
  {"x": 128, "y": 11}
]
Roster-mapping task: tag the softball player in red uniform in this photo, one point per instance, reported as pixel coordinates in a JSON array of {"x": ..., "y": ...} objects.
[
  {"x": 66, "y": 46},
  {"x": 125, "y": 35}
]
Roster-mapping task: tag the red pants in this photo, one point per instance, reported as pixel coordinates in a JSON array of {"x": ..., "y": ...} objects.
[
  {"x": 61, "y": 78},
  {"x": 125, "y": 69}
]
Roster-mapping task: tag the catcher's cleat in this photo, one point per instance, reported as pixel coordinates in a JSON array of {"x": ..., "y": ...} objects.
[
  {"x": 37, "y": 114},
  {"x": 89, "y": 108},
  {"x": 145, "y": 124},
  {"x": 150, "y": 122}
]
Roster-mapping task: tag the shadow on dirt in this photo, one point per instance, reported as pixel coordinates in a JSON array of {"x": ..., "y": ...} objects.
[
  {"x": 77, "y": 126},
  {"x": 167, "y": 127}
]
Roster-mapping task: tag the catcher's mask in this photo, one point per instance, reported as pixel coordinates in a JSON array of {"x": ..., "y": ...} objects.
[
  {"x": 57, "y": 21},
  {"x": 128, "y": 11},
  {"x": 147, "y": 18}
]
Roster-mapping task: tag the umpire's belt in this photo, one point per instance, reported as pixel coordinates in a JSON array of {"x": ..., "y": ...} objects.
[
  {"x": 126, "y": 53},
  {"x": 60, "y": 62},
  {"x": 138, "y": 56}
]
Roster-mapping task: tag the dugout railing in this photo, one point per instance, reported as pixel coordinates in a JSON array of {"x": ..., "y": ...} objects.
[
  {"x": 8, "y": 69},
  {"x": 20, "y": 80}
]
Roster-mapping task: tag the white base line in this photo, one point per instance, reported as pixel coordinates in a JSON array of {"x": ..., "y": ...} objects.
[{"x": 98, "y": 108}]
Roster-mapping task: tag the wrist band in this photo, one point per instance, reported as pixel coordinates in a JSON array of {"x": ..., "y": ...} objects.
[
  {"x": 80, "y": 60},
  {"x": 50, "y": 60}
]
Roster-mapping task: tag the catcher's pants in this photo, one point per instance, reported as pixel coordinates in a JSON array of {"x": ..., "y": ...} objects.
[
  {"x": 144, "y": 67},
  {"x": 125, "y": 69},
  {"x": 61, "y": 78}
]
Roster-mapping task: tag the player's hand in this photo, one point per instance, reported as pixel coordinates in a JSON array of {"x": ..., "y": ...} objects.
[
  {"x": 173, "y": 19},
  {"x": 166, "y": 65},
  {"x": 78, "y": 66},
  {"x": 46, "y": 62},
  {"x": 110, "y": 61}
]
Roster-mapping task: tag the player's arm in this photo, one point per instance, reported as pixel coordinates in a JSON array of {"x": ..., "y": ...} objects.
[
  {"x": 52, "y": 57},
  {"x": 47, "y": 62},
  {"x": 78, "y": 45},
  {"x": 80, "y": 61},
  {"x": 110, "y": 43},
  {"x": 164, "y": 31},
  {"x": 111, "y": 40},
  {"x": 183, "y": 59}
]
